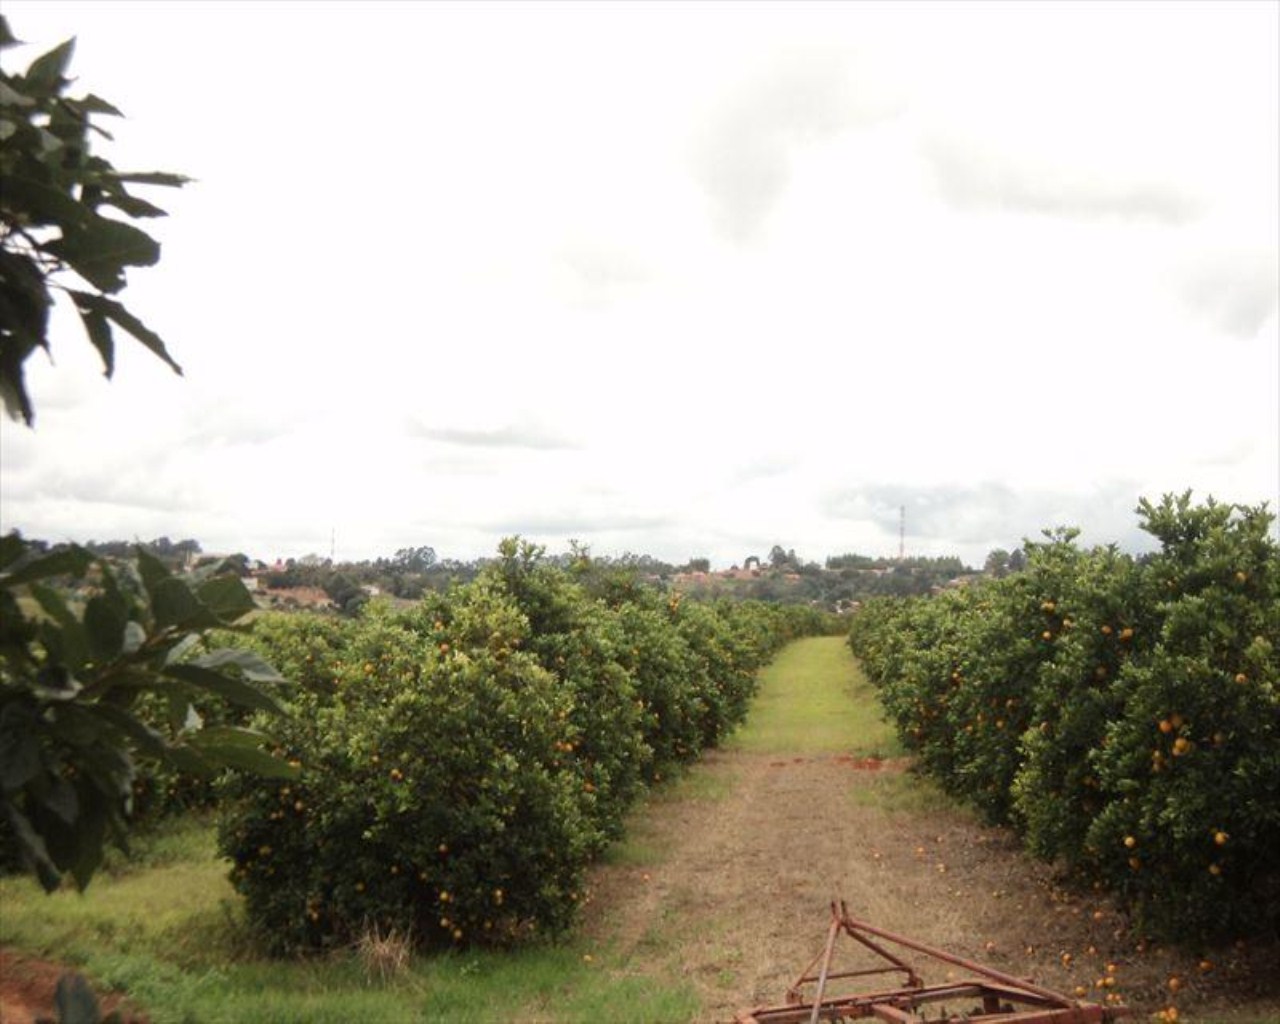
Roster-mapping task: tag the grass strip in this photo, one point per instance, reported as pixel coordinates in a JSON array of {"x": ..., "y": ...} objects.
[
  {"x": 168, "y": 929},
  {"x": 814, "y": 699}
]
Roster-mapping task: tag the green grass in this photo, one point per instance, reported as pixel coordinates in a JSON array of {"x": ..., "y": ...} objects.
[
  {"x": 903, "y": 793},
  {"x": 813, "y": 699},
  {"x": 645, "y": 844},
  {"x": 547, "y": 984},
  {"x": 167, "y": 928}
]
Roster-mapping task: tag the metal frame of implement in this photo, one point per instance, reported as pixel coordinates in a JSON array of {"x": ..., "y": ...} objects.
[{"x": 992, "y": 997}]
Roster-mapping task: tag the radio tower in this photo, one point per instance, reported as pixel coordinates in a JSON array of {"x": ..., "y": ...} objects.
[{"x": 902, "y": 533}]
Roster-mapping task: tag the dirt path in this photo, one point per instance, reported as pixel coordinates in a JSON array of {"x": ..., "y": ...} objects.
[{"x": 727, "y": 879}]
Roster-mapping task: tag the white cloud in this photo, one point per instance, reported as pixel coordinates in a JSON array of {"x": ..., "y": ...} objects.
[
  {"x": 743, "y": 154},
  {"x": 1236, "y": 291},
  {"x": 973, "y": 178},
  {"x": 684, "y": 280}
]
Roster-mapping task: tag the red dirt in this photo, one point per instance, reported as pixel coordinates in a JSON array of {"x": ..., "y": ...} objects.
[
  {"x": 27, "y": 986},
  {"x": 731, "y": 892}
]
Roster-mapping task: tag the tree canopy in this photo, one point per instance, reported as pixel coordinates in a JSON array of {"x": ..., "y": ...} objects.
[
  {"x": 55, "y": 233},
  {"x": 103, "y": 663}
]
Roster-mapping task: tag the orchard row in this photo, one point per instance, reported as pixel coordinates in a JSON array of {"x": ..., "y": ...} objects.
[
  {"x": 1122, "y": 714},
  {"x": 463, "y": 762}
]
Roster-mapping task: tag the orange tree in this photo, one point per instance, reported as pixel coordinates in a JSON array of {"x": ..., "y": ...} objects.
[
  {"x": 580, "y": 642},
  {"x": 432, "y": 794},
  {"x": 670, "y": 690},
  {"x": 1190, "y": 769},
  {"x": 1122, "y": 714},
  {"x": 461, "y": 763},
  {"x": 1095, "y": 608}
]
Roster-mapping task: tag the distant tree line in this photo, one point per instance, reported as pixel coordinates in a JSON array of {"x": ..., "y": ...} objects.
[
  {"x": 415, "y": 571},
  {"x": 942, "y": 564}
]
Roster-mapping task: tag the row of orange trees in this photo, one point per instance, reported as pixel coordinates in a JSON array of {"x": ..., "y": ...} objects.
[
  {"x": 463, "y": 762},
  {"x": 1122, "y": 714}
]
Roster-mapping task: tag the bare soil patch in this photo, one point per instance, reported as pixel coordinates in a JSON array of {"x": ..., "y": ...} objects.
[
  {"x": 735, "y": 890},
  {"x": 28, "y": 985}
]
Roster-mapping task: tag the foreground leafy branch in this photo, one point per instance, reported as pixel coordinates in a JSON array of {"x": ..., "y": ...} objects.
[
  {"x": 55, "y": 235},
  {"x": 85, "y": 646}
]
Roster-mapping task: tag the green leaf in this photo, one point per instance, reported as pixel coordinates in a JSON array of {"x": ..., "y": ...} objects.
[
  {"x": 155, "y": 178},
  {"x": 90, "y": 835},
  {"x": 47, "y": 72},
  {"x": 54, "y": 682},
  {"x": 10, "y": 97},
  {"x": 153, "y": 570},
  {"x": 73, "y": 642},
  {"x": 7, "y": 38},
  {"x": 61, "y": 799},
  {"x": 242, "y": 748},
  {"x": 14, "y": 395},
  {"x": 173, "y": 604},
  {"x": 227, "y": 687},
  {"x": 179, "y": 708},
  {"x": 226, "y": 597},
  {"x": 92, "y": 104},
  {"x": 134, "y": 637},
  {"x": 148, "y": 739},
  {"x": 132, "y": 205},
  {"x": 46, "y": 204},
  {"x": 188, "y": 760},
  {"x": 75, "y": 1001},
  {"x": 12, "y": 547},
  {"x": 33, "y": 846},
  {"x": 109, "y": 770},
  {"x": 104, "y": 625},
  {"x": 24, "y": 304},
  {"x": 50, "y": 146},
  {"x": 20, "y": 757},
  {"x": 24, "y": 310},
  {"x": 253, "y": 667},
  {"x": 76, "y": 725},
  {"x": 122, "y": 685},
  {"x": 72, "y": 560},
  {"x": 179, "y": 651},
  {"x": 102, "y": 249},
  {"x": 133, "y": 325},
  {"x": 98, "y": 327}
]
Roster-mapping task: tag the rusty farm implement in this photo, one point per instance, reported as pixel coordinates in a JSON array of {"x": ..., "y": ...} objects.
[{"x": 988, "y": 996}]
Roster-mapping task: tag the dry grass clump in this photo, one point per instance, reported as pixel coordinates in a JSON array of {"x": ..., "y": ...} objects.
[{"x": 384, "y": 956}]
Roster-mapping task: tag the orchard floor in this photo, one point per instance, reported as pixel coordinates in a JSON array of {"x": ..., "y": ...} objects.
[
  {"x": 729, "y": 880},
  {"x": 724, "y": 882}
]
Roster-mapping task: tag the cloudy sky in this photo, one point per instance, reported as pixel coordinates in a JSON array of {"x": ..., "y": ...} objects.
[{"x": 675, "y": 278}]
